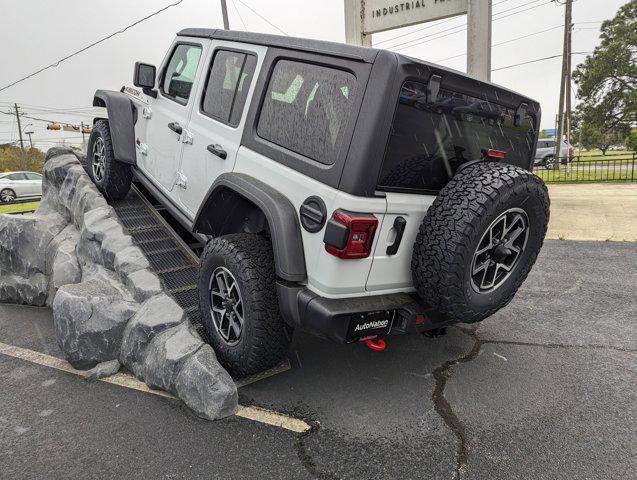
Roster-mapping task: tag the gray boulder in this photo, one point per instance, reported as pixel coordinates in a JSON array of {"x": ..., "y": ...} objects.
[
  {"x": 89, "y": 320},
  {"x": 55, "y": 170},
  {"x": 206, "y": 387},
  {"x": 143, "y": 285},
  {"x": 130, "y": 260},
  {"x": 24, "y": 241},
  {"x": 103, "y": 370},
  {"x": 167, "y": 353},
  {"x": 114, "y": 241},
  {"x": 155, "y": 315},
  {"x": 62, "y": 265},
  {"x": 23, "y": 290}
]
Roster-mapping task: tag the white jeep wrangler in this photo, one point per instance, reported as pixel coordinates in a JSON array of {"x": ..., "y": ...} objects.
[{"x": 349, "y": 192}]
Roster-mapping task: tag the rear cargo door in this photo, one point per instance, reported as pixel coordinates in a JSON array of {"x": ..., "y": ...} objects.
[{"x": 434, "y": 132}]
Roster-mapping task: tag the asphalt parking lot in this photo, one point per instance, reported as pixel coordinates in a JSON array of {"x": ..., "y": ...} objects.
[{"x": 545, "y": 389}]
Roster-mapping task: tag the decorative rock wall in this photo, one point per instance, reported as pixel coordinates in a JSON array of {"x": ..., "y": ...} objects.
[{"x": 74, "y": 255}]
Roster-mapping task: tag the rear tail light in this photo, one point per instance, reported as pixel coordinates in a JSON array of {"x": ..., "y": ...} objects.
[
  {"x": 495, "y": 154},
  {"x": 570, "y": 151},
  {"x": 350, "y": 235}
]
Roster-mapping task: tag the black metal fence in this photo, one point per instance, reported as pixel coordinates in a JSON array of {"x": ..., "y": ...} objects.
[{"x": 612, "y": 167}]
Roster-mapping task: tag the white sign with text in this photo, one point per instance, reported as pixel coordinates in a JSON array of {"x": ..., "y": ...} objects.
[{"x": 380, "y": 15}]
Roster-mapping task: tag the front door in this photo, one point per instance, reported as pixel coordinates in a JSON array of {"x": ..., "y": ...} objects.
[
  {"x": 170, "y": 112},
  {"x": 216, "y": 122}
]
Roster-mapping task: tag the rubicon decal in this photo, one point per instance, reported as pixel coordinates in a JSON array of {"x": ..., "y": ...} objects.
[{"x": 371, "y": 325}]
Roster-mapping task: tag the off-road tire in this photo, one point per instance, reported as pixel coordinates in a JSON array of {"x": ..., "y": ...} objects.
[
  {"x": 455, "y": 224},
  {"x": 265, "y": 338},
  {"x": 115, "y": 180},
  {"x": 6, "y": 194}
]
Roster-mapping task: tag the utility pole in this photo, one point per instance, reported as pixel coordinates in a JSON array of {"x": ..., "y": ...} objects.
[
  {"x": 17, "y": 116},
  {"x": 224, "y": 12},
  {"x": 565, "y": 77},
  {"x": 83, "y": 138},
  {"x": 568, "y": 77}
]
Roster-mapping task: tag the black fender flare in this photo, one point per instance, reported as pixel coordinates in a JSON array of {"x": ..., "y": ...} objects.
[
  {"x": 122, "y": 116},
  {"x": 285, "y": 230}
]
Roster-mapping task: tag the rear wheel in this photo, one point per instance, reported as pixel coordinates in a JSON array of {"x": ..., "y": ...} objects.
[
  {"x": 239, "y": 304},
  {"x": 479, "y": 240},
  {"x": 111, "y": 177},
  {"x": 7, "y": 195}
]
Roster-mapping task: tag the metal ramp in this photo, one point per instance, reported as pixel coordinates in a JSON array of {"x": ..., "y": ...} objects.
[
  {"x": 173, "y": 254},
  {"x": 172, "y": 259}
]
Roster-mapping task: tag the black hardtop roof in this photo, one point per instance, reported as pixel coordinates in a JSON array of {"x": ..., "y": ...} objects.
[
  {"x": 362, "y": 54},
  {"x": 344, "y": 50}
]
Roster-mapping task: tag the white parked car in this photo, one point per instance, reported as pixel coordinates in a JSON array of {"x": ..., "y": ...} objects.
[{"x": 19, "y": 185}]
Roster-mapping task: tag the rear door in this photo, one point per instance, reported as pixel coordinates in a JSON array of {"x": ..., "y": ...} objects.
[
  {"x": 217, "y": 119},
  {"x": 429, "y": 141},
  {"x": 170, "y": 112}
]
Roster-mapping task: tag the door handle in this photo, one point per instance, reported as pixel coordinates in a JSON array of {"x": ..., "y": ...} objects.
[
  {"x": 175, "y": 127},
  {"x": 399, "y": 226},
  {"x": 218, "y": 151}
]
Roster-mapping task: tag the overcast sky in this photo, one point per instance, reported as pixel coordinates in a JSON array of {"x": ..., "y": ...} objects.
[{"x": 34, "y": 33}]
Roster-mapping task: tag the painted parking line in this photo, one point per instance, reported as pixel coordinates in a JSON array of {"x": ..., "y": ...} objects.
[{"x": 128, "y": 381}]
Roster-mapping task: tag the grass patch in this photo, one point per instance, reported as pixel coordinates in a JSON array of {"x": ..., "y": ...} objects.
[{"x": 18, "y": 207}]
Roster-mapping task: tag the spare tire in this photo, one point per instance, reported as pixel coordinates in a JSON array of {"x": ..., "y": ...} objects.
[{"x": 479, "y": 240}]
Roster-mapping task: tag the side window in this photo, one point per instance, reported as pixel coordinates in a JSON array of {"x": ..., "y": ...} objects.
[
  {"x": 33, "y": 176},
  {"x": 180, "y": 72},
  {"x": 227, "y": 86},
  {"x": 16, "y": 176},
  {"x": 307, "y": 108}
]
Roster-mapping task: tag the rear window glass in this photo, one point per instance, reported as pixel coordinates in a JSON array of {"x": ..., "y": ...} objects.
[
  {"x": 431, "y": 139},
  {"x": 307, "y": 109}
]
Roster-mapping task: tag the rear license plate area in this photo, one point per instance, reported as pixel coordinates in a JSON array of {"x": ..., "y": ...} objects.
[{"x": 369, "y": 324}]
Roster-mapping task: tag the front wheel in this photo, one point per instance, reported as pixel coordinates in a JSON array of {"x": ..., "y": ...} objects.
[
  {"x": 111, "y": 177},
  {"x": 239, "y": 304},
  {"x": 7, "y": 195}
]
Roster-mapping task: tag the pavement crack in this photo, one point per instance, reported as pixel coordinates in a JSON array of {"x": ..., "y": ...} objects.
[
  {"x": 442, "y": 406},
  {"x": 589, "y": 346},
  {"x": 306, "y": 459}
]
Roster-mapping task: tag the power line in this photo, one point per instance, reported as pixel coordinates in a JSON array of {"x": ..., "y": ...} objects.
[
  {"x": 55, "y": 64},
  {"x": 537, "y": 60},
  {"x": 461, "y": 27},
  {"x": 240, "y": 17},
  {"x": 509, "y": 41},
  {"x": 260, "y": 16},
  {"x": 431, "y": 26}
]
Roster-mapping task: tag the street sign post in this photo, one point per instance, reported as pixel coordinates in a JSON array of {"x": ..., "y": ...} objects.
[{"x": 365, "y": 17}]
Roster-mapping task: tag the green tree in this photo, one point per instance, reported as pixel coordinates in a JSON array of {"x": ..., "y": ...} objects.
[
  {"x": 631, "y": 142},
  {"x": 12, "y": 158},
  {"x": 607, "y": 81}
]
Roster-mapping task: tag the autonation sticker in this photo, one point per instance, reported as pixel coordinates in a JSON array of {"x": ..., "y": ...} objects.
[{"x": 382, "y": 15}]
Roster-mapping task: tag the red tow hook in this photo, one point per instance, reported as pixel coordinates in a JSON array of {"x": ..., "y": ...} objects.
[{"x": 377, "y": 346}]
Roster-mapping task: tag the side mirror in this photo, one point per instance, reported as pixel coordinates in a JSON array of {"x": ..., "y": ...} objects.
[{"x": 144, "y": 75}]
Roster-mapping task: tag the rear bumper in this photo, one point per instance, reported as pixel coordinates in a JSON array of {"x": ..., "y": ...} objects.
[{"x": 336, "y": 318}]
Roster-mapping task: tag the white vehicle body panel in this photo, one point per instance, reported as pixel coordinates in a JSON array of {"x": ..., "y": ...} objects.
[
  {"x": 163, "y": 146},
  {"x": 200, "y": 167}
]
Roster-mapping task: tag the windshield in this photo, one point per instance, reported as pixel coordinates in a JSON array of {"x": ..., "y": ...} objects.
[{"x": 431, "y": 139}]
